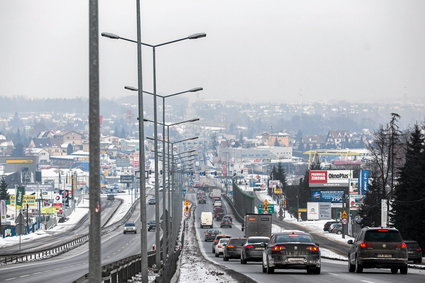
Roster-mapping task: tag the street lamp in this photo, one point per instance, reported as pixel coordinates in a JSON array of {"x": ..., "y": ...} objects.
[{"x": 154, "y": 46}]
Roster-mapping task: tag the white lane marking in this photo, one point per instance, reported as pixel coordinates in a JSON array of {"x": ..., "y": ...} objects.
[
  {"x": 8, "y": 279},
  {"x": 37, "y": 272},
  {"x": 366, "y": 281},
  {"x": 334, "y": 274},
  {"x": 23, "y": 276}
]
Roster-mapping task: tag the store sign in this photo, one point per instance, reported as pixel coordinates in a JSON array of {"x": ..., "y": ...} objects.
[
  {"x": 329, "y": 178},
  {"x": 334, "y": 196},
  {"x": 355, "y": 201}
]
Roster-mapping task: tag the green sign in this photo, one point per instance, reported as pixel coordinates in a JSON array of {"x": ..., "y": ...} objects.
[
  {"x": 20, "y": 192},
  {"x": 265, "y": 209}
]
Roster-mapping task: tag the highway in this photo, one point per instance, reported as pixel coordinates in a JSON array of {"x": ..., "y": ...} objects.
[
  {"x": 332, "y": 270},
  {"x": 74, "y": 264}
]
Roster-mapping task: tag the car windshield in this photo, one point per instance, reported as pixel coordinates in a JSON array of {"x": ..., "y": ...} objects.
[
  {"x": 258, "y": 240},
  {"x": 129, "y": 224},
  {"x": 294, "y": 238},
  {"x": 224, "y": 240},
  {"x": 237, "y": 242},
  {"x": 382, "y": 236}
]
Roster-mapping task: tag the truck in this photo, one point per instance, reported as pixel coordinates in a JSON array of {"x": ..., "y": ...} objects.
[
  {"x": 206, "y": 219},
  {"x": 257, "y": 225},
  {"x": 215, "y": 194}
]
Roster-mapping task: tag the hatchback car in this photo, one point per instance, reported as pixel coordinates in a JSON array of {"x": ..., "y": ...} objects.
[
  {"x": 335, "y": 228},
  {"x": 210, "y": 234},
  {"x": 228, "y": 217},
  {"x": 225, "y": 223},
  {"x": 328, "y": 224},
  {"x": 130, "y": 228},
  {"x": 152, "y": 225},
  {"x": 291, "y": 250},
  {"x": 152, "y": 201},
  {"x": 414, "y": 251},
  {"x": 253, "y": 249},
  {"x": 233, "y": 248},
  {"x": 217, "y": 238},
  {"x": 376, "y": 247},
  {"x": 219, "y": 248}
]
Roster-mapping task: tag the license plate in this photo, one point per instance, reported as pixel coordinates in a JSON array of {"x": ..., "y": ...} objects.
[
  {"x": 259, "y": 249},
  {"x": 295, "y": 260},
  {"x": 384, "y": 255}
]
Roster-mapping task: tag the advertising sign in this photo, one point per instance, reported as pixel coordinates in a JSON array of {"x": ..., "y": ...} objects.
[
  {"x": 363, "y": 181},
  {"x": 329, "y": 178},
  {"x": 334, "y": 196},
  {"x": 312, "y": 211},
  {"x": 353, "y": 186},
  {"x": 274, "y": 184},
  {"x": 356, "y": 201},
  {"x": 27, "y": 200},
  {"x": 126, "y": 179},
  {"x": 325, "y": 210},
  {"x": 277, "y": 191}
]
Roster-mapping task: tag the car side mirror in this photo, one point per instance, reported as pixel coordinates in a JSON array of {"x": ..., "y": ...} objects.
[
  {"x": 317, "y": 244},
  {"x": 350, "y": 242}
]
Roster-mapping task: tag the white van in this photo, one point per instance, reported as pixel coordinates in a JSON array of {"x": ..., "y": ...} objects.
[{"x": 206, "y": 219}]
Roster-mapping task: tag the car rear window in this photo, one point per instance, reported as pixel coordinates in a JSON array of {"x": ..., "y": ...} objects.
[
  {"x": 294, "y": 238},
  {"x": 237, "y": 242},
  {"x": 130, "y": 224},
  {"x": 258, "y": 240},
  {"x": 382, "y": 236}
]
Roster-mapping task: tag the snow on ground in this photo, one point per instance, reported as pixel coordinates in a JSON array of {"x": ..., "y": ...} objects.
[
  {"x": 123, "y": 208},
  {"x": 194, "y": 267}
]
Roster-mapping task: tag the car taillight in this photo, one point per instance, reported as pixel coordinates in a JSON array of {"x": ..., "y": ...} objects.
[
  {"x": 365, "y": 245},
  {"x": 418, "y": 249},
  {"x": 230, "y": 246},
  {"x": 402, "y": 246},
  {"x": 215, "y": 241},
  {"x": 249, "y": 246},
  {"x": 313, "y": 249},
  {"x": 218, "y": 246},
  {"x": 278, "y": 248}
]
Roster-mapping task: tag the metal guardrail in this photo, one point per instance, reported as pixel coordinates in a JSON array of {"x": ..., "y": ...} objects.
[{"x": 62, "y": 247}]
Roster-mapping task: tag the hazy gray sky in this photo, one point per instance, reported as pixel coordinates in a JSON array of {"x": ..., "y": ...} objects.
[{"x": 263, "y": 50}]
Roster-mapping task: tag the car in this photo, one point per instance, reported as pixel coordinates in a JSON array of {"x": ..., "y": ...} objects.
[
  {"x": 219, "y": 248},
  {"x": 233, "y": 248},
  {"x": 151, "y": 225},
  {"x": 202, "y": 200},
  {"x": 152, "y": 201},
  {"x": 215, "y": 242},
  {"x": 328, "y": 224},
  {"x": 228, "y": 217},
  {"x": 291, "y": 250},
  {"x": 253, "y": 249},
  {"x": 335, "y": 228},
  {"x": 378, "y": 247},
  {"x": 130, "y": 227},
  {"x": 225, "y": 223},
  {"x": 414, "y": 251},
  {"x": 217, "y": 203},
  {"x": 210, "y": 234}
]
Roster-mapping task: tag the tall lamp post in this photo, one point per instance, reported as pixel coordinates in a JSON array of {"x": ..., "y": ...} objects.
[{"x": 154, "y": 46}]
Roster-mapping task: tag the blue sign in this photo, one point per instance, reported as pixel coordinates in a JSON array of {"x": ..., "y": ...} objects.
[
  {"x": 327, "y": 196},
  {"x": 364, "y": 181}
]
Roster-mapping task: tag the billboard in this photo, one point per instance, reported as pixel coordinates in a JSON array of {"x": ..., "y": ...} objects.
[
  {"x": 353, "y": 186},
  {"x": 312, "y": 211},
  {"x": 274, "y": 184},
  {"x": 363, "y": 181},
  {"x": 325, "y": 210},
  {"x": 334, "y": 196},
  {"x": 329, "y": 178},
  {"x": 355, "y": 201}
]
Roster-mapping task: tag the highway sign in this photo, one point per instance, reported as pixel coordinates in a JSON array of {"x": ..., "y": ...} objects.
[
  {"x": 344, "y": 221},
  {"x": 265, "y": 208},
  {"x": 186, "y": 203},
  {"x": 344, "y": 215},
  {"x": 187, "y": 214},
  {"x": 266, "y": 202}
]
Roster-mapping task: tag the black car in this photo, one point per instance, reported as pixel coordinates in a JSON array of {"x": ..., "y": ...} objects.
[
  {"x": 328, "y": 224},
  {"x": 291, "y": 250},
  {"x": 225, "y": 223},
  {"x": 377, "y": 247},
  {"x": 253, "y": 249},
  {"x": 335, "y": 228},
  {"x": 233, "y": 248},
  {"x": 414, "y": 251},
  {"x": 151, "y": 225},
  {"x": 210, "y": 234}
]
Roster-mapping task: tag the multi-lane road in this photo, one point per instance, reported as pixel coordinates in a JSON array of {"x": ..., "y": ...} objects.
[
  {"x": 74, "y": 264},
  {"x": 332, "y": 270}
]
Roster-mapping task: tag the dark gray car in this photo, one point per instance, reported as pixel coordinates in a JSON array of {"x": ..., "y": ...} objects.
[
  {"x": 253, "y": 249},
  {"x": 291, "y": 250},
  {"x": 233, "y": 248},
  {"x": 376, "y": 247}
]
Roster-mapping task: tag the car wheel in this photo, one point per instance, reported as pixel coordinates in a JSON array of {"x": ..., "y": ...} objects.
[
  {"x": 225, "y": 258},
  {"x": 351, "y": 267},
  {"x": 358, "y": 267},
  {"x": 403, "y": 270},
  {"x": 339, "y": 232},
  {"x": 243, "y": 260},
  {"x": 317, "y": 270},
  {"x": 213, "y": 250},
  {"x": 394, "y": 270},
  {"x": 264, "y": 268},
  {"x": 216, "y": 254},
  {"x": 270, "y": 270}
]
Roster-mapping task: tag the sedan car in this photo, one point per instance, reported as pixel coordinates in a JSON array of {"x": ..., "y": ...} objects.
[
  {"x": 414, "y": 251},
  {"x": 328, "y": 224},
  {"x": 225, "y": 223},
  {"x": 130, "y": 227},
  {"x": 219, "y": 248},
  {"x": 217, "y": 238},
  {"x": 152, "y": 201},
  {"x": 233, "y": 248},
  {"x": 253, "y": 249},
  {"x": 336, "y": 228},
  {"x": 152, "y": 225},
  {"x": 291, "y": 250},
  {"x": 210, "y": 234}
]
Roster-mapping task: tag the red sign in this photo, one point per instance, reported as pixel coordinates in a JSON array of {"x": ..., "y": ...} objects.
[{"x": 318, "y": 177}]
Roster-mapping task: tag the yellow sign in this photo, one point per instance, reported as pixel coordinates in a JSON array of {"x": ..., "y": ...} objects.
[
  {"x": 186, "y": 208},
  {"x": 266, "y": 202},
  {"x": 28, "y": 199},
  {"x": 14, "y": 161},
  {"x": 344, "y": 215},
  {"x": 186, "y": 202},
  {"x": 277, "y": 191},
  {"x": 302, "y": 210},
  {"x": 48, "y": 210}
]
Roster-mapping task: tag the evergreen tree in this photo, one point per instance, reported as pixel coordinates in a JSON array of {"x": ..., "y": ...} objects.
[
  {"x": 409, "y": 196},
  {"x": 4, "y": 195},
  {"x": 370, "y": 210},
  {"x": 281, "y": 175}
]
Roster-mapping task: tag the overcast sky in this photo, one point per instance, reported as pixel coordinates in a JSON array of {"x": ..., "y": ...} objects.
[{"x": 255, "y": 51}]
